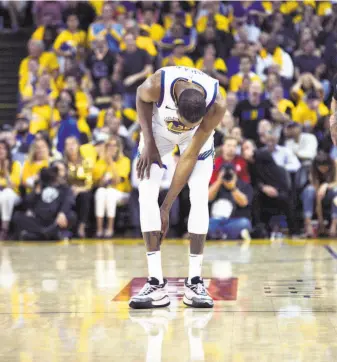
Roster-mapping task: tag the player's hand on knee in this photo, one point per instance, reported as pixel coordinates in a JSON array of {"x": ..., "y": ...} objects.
[
  {"x": 165, "y": 222},
  {"x": 149, "y": 155}
]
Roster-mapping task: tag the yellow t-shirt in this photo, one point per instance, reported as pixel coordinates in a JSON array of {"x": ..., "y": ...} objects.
[
  {"x": 168, "y": 21},
  {"x": 304, "y": 115},
  {"x": 71, "y": 39},
  {"x": 236, "y": 81},
  {"x": 122, "y": 167},
  {"x": 219, "y": 64},
  {"x": 31, "y": 169},
  {"x": 15, "y": 177},
  {"x": 221, "y": 23},
  {"x": 88, "y": 151},
  {"x": 284, "y": 104},
  {"x": 41, "y": 118},
  {"x": 47, "y": 61},
  {"x": 38, "y": 33},
  {"x": 183, "y": 61},
  {"x": 145, "y": 43},
  {"x": 157, "y": 32}
]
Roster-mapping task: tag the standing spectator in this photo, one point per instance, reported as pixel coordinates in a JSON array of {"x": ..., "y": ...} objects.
[
  {"x": 250, "y": 111},
  {"x": 107, "y": 27},
  {"x": 111, "y": 175},
  {"x": 38, "y": 158},
  {"x": 102, "y": 95},
  {"x": 80, "y": 180},
  {"x": 178, "y": 56},
  {"x": 84, "y": 11},
  {"x": 101, "y": 61},
  {"x": 229, "y": 156},
  {"x": 245, "y": 72},
  {"x": 134, "y": 66},
  {"x": 10, "y": 177},
  {"x": 322, "y": 192},
  {"x": 303, "y": 144}
]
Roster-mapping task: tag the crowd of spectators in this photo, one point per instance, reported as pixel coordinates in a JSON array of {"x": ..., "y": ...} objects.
[{"x": 77, "y": 121}]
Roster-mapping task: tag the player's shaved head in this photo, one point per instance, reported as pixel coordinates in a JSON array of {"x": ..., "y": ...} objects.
[{"x": 192, "y": 105}]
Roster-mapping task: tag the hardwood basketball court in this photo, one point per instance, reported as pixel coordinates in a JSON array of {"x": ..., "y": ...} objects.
[{"x": 68, "y": 302}]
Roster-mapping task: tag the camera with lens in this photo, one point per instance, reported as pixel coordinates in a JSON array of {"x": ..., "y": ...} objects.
[{"x": 229, "y": 172}]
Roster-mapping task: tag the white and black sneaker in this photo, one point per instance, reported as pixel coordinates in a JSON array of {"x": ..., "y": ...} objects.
[
  {"x": 196, "y": 295},
  {"x": 152, "y": 295}
]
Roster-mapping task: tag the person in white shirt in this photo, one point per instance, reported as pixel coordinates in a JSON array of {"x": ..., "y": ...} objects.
[
  {"x": 303, "y": 145},
  {"x": 282, "y": 156},
  {"x": 285, "y": 70}
]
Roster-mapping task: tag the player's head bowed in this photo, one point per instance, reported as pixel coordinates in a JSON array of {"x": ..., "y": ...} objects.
[{"x": 192, "y": 105}]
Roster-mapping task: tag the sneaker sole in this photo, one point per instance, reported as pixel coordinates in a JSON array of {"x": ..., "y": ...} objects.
[
  {"x": 196, "y": 304},
  {"x": 162, "y": 303}
]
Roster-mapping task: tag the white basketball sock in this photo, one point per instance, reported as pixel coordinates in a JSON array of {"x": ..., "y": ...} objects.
[
  {"x": 154, "y": 265},
  {"x": 195, "y": 266}
]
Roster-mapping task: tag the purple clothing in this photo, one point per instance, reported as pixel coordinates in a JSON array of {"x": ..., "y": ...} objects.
[
  {"x": 53, "y": 8},
  {"x": 307, "y": 63},
  {"x": 239, "y": 11}
]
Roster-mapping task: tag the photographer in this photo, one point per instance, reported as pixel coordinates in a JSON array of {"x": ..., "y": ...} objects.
[
  {"x": 231, "y": 201},
  {"x": 47, "y": 209}
]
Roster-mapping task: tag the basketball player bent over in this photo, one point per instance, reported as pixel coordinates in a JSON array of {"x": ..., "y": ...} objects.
[{"x": 176, "y": 106}]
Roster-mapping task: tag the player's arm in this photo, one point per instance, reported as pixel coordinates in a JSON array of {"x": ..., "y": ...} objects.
[
  {"x": 147, "y": 94},
  {"x": 333, "y": 117},
  {"x": 190, "y": 156}
]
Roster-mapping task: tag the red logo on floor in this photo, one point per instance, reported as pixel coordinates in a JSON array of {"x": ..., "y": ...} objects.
[{"x": 219, "y": 289}]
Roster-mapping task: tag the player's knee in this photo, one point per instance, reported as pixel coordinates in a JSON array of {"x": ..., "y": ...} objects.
[
  {"x": 148, "y": 193},
  {"x": 199, "y": 197}
]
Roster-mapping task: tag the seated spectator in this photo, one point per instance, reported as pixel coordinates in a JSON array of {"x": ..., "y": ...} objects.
[
  {"x": 102, "y": 95},
  {"x": 236, "y": 133},
  {"x": 264, "y": 128},
  {"x": 283, "y": 108},
  {"x": 244, "y": 72},
  {"x": 107, "y": 27},
  {"x": 231, "y": 102},
  {"x": 111, "y": 175},
  {"x": 46, "y": 60},
  {"x": 178, "y": 56},
  {"x": 10, "y": 178},
  {"x": 213, "y": 66},
  {"x": 322, "y": 193},
  {"x": 80, "y": 181},
  {"x": 101, "y": 61},
  {"x": 303, "y": 144},
  {"x": 308, "y": 62},
  {"x": 38, "y": 158},
  {"x": 231, "y": 202},
  {"x": 309, "y": 111},
  {"x": 250, "y": 111},
  {"x": 67, "y": 125},
  {"x": 134, "y": 65},
  {"x": 223, "y": 130},
  {"x": 47, "y": 209},
  {"x": 229, "y": 155},
  {"x": 20, "y": 147},
  {"x": 282, "y": 156},
  {"x": 72, "y": 39},
  {"x": 274, "y": 58},
  {"x": 271, "y": 187},
  {"x": 306, "y": 83}
]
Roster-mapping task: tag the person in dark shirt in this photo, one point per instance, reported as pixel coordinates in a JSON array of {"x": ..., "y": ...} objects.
[
  {"x": 271, "y": 185},
  {"x": 101, "y": 61},
  {"x": 134, "y": 65},
  {"x": 250, "y": 111},
  {"x": 47, "y": 208},
  {"x": 307, "y": 62},
  {"x": 84, "y": 11}
]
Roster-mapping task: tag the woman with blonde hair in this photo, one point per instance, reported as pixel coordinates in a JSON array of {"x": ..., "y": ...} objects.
[
  {"x": 10, "y": 175},
  {"x": 111, "y": 176},
  {"x": 80, "y": 180},
  {"x": 38, "y": 158}
]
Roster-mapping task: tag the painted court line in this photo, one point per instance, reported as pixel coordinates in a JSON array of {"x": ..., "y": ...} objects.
[{"x": 331, "y": 251}]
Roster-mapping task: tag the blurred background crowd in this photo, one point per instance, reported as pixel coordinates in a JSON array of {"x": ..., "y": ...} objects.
[{"x": 67, "y": 162}]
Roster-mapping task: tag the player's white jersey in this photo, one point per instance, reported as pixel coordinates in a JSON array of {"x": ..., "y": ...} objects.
[{"x": 165, "y": 110}]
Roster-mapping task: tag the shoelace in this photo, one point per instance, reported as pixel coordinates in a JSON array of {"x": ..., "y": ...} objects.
[
  {"x": 198, "y": 288},
  {"x": 147, "y": 289}
]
